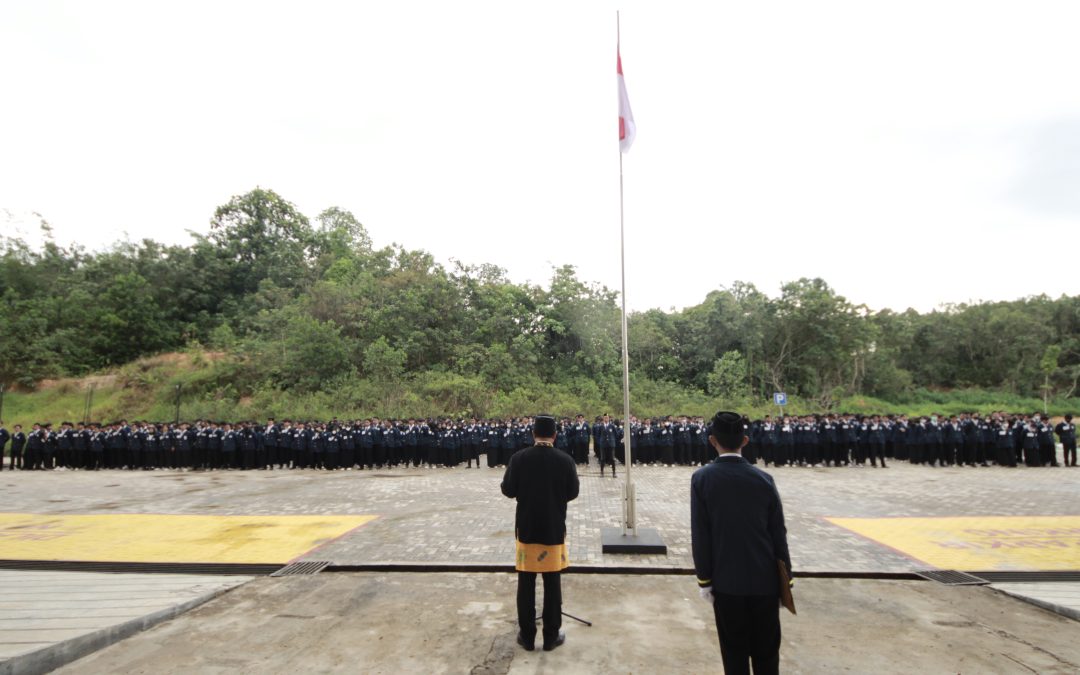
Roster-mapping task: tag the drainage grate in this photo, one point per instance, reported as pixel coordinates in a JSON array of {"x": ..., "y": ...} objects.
[
  {"x": 302, "y": 568},
  {"x": 951, "y": 577},
  {"x": 1033, "y": 576}
]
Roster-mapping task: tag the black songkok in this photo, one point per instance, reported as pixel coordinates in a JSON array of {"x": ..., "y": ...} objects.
[{"x": 544, "y": 426}]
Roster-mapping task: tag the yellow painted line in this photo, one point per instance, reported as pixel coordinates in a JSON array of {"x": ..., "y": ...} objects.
[
  {"x": 168, "y": 538},
  {"x": 997, "y": 543}
]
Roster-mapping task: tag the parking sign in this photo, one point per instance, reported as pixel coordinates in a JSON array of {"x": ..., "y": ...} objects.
[{"x": 780, "y": 398}]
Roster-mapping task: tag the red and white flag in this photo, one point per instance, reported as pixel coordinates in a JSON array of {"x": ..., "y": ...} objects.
[{"x": 627, "y": 128}]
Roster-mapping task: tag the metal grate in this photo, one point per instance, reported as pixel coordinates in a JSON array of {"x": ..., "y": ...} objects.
[
  {"x": 1032, "y": 576},
  {"x": 302, "y": 568},
  {"x": 952, "y": 577}
]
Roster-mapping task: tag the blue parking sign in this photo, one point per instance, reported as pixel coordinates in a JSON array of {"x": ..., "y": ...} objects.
[{"x": 780, "y": 398}]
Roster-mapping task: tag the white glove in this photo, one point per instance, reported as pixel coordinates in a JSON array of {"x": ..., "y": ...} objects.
[{"x": 706, "y": 594}]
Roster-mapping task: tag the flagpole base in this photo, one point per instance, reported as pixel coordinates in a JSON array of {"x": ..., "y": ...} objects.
[{"x": 647, "y": 541}]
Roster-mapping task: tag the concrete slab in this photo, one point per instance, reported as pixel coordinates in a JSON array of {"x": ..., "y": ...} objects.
[
  {"x": 465, "y": 623},
  {"x": 1060, "y": 597},
  {"x": 56, "y": 617}
]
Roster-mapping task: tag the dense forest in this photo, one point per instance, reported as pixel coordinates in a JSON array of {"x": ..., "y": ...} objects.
[{"x": 294, "y": 308}]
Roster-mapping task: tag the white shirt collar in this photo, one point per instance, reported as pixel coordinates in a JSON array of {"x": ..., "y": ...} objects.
[{"x": 730, "y": 454}]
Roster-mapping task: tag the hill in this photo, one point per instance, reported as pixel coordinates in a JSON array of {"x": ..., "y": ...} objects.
[
  {"x": 274, "y": 313},
  {"x": 146, "y": 389}
]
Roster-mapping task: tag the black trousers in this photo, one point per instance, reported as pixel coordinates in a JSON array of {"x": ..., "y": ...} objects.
[
  {"x": 526, "y": 605},
  {"x": 749, "y": 631},
  {"x": 877, "y": 452}
]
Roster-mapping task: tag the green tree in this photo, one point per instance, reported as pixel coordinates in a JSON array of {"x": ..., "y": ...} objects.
[
  {"x": 1048, "y": 364},
  {"x": 130, "y": 324},
  {"x": 382, "y": 362},
  {"x": 728, "y": 378},
  {"x": 262, "y": 236},
  {"x": 309, "y": 355}
]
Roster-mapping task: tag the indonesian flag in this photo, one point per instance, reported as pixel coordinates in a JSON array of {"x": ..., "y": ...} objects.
[{"x": 627, "y": 128}]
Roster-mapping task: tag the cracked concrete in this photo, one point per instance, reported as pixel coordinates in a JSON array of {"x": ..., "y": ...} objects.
[{"x": 465, "y": 623}]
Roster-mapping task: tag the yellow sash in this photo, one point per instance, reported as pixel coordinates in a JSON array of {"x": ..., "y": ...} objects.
[{"x": 541, "y": 557}]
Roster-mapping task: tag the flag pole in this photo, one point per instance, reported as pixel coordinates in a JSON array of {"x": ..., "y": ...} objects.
[{"x": 629, "y": 519}]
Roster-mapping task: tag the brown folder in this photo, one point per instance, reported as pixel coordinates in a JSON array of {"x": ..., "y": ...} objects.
[{"x": 786, "y": 599}]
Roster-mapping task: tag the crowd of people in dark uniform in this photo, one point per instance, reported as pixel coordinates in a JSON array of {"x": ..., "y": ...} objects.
[
  {"x": 960, "y": 440},
  {"x": 812, "y": 440}
]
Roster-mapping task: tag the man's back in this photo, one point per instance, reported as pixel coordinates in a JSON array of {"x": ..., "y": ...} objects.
[
  {"x": 543, "y": 480},
  {"x": 738, "y": 527}
]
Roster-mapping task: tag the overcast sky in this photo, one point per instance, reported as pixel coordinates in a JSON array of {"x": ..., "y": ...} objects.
[{"x": 910, "y": 153}]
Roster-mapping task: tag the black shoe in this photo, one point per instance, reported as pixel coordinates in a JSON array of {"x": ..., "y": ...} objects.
[
  {"x": 527, "y": 646},
  {"x": 557, "y": 642}
]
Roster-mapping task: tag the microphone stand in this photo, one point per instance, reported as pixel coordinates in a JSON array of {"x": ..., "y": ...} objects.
[{"x": 569, "y": 616}]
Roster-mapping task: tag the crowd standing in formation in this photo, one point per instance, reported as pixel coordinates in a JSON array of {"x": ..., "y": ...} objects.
[{"x": 813, "y": 440}]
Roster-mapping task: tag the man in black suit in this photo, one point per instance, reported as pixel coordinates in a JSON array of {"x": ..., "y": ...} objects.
[
  {"x": 543, "y": 480},
  {"x": 1066, "y": 432},
  {"x": 738, "y": 532}
]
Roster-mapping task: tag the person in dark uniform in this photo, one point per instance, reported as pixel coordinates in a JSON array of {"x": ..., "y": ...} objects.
[
  {"x": 785, "y": 446},
  {"x": 80, "y": 446},
  {"x": 604, "y": 443},
  {"x": 682, "y": 441},
  {"x": 65, "y": 445},
  {"x": 51, "y": 438},
  {"x": 18, "y": 442},
  {"x": 750, "y": 452},
  {"x": 987, "y": 438},
  {"x": 1047, "y": 451},
  {"x": 542, "y": 480},
  {"x": 562, "y": 439},
  {"x": 35, "y": 447},
  {"x": 828, "y": 435},
  {"x": 98, "y": 441},
  {"x": 665, "y": 441},
  {"x": 900, "y": 434},
  {"x": 150, "y": 447},
  {"x": 1004, "y": 443},
  {"x": 876, "y": 442},
  {"x": 767, "y": 439},
  {"x": 738, "y": 535},
  {"x": 579, "y": 444},
  {"x": 1030, "y": 442},
  {"x": 1065, "y": 430},
  {"x": 969, "y": 424}
]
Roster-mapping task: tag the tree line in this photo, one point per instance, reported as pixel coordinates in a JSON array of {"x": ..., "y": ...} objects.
[{"x": 302, "y": 307}]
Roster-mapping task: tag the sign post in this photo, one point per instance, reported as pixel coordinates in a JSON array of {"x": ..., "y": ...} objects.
[{"x": 780, "y": 399}]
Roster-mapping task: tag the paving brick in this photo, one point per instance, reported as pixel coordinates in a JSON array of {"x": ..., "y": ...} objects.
[{"x": 456, "y": 516}]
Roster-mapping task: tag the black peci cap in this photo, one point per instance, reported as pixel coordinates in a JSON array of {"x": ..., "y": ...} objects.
[
  {"x": 544, "y": 426},
  {"x": 726, "y": 423}
]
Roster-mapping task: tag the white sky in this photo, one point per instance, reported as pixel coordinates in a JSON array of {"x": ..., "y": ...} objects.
[{"x": 910, "y": 153}]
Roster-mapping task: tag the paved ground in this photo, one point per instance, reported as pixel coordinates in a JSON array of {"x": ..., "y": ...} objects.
[
  {"x": 459, "y": 516},
  {"x": 47, "y": 618},
  {"x": 465, "y": 623},
  {"x": 1060, "y": 597}
]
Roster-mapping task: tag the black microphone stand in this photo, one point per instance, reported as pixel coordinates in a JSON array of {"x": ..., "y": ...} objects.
[{"x": 569, "y": 616}]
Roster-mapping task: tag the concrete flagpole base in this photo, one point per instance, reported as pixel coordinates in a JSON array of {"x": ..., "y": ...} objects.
[{"x": 647, "y": 540}]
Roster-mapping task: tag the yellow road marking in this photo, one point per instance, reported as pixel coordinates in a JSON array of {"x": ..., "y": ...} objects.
[
  {"x": 168, "y": 538},
  {"x": 998, "y": 543}
]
